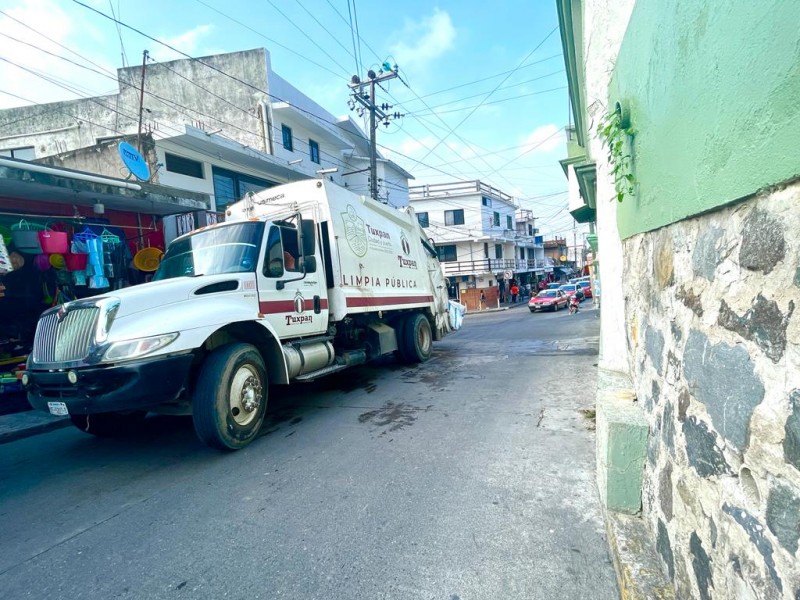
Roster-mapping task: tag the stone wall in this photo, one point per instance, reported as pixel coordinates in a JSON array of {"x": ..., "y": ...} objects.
[{"x": 713, "y": 347}]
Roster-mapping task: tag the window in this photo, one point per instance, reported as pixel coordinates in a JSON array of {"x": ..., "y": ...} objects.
[
  {"x": 485, "y": 250},
  {"x": 230, "y": 187},
  {"x": 184, "y": 166},
  {"x": 498, "y": 250},
  {"x": 422, "y": 217},
  {"x": 509, "y": 224},
  {"x": 447, "y": 253},
  {"x": 273, "y": 259},
  {"x": 454, "y": 217},
  {"x": 496, "y": 219},
  {"x": 26, "y": 153},
  {"x": 313, "y": 149},
  {"x": 286, "y": 132},
  {"x": 486, "y": 201}
]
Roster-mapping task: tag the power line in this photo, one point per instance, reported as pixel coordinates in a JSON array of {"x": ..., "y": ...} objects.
[
  {"x": 539, "y": 45},
  {"x": 308, "y": 37}
]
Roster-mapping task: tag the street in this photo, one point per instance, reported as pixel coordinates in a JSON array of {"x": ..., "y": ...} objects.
[{"x": 468, "y": 477}]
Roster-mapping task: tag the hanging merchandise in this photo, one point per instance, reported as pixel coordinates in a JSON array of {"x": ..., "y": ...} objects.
[
  {"x": 147, "y": 259},
  {"x": 97, "y": 278},
  {"x": 26, "y": 237},
  {"x": 5, "y": 259},
  {"x": 53, "y": 242},
  {"x": 41, "y": 262}
]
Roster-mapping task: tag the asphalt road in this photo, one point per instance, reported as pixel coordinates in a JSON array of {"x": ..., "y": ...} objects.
[{"x": 469, "y": 477}]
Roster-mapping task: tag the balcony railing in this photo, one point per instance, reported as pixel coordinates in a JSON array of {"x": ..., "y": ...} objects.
[
  {"x": 493, "y": 265},
  {"x": 435, "y": 190}
]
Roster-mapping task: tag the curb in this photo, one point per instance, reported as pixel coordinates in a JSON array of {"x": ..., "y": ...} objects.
[
  {"x": 638, "y": 568},
  {"x": 18, "y": 426}
]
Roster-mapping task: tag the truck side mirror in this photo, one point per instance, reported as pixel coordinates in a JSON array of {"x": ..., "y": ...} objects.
[
  {"x": 308, "y": 264},
  {"x": 309, "y": 232}
]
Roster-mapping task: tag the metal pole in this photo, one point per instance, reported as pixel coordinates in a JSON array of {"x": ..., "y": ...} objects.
[
  {"x": 373, "y": 144},
  {"x": 141, "y": 104}
]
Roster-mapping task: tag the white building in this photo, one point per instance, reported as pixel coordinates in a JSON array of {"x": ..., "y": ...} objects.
[
  {"x": 222, "y": 125},
  {"x": 482, "y": 237}
]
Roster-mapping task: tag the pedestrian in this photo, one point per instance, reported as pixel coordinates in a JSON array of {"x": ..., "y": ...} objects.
[
  {"x": 483, "y": 300},
  {"x": 514, "y": 293}
]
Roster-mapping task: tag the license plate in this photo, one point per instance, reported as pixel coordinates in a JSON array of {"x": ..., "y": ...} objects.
[{"x": 58, "y": 408}]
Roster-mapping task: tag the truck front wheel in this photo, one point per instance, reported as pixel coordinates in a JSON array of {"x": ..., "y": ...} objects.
[
  {"x": 230, "y": 398},
  {"x": 416, "y": 340}
]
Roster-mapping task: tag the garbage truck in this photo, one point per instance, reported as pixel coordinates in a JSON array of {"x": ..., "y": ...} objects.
[{"x": 300, "y": 281}]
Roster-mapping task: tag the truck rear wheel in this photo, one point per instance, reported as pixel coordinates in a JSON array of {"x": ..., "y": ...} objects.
[
  {"x": 108, "y": 424},
  {"x": 416, "y": 340},
  {"x": 230, "y": 398}
]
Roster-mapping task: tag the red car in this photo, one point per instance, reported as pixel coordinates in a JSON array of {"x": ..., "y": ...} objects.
[
  {"x": 548, "y": 299},
  {"x": 587, "y": 288}
]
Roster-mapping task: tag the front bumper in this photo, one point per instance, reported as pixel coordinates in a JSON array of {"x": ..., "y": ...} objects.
[{"x": 135, "y": 385}]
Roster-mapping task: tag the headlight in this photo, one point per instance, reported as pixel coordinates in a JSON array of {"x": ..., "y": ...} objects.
[{"x": 129, "y": 349}]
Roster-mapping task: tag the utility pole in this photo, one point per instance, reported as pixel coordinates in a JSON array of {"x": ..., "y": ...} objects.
[
  {"x": 367, "y": 101},
  {"x": 141, "y": 104}
]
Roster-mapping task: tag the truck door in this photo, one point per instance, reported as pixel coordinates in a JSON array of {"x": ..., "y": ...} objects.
[{"x": 294, "y": 302}]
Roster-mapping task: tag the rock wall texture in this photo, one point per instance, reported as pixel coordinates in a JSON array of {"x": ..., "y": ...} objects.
[{"x": 713, "y": 341}]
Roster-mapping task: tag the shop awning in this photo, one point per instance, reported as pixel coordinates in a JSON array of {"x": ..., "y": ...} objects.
[{"x": 23, "y": 180}]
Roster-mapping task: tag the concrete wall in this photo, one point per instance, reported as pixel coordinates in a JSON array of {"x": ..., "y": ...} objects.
[
  {"x": 714, "y": 343},
  {"x": 605, "y": 22},
  {"x": 713, "y": 98}
]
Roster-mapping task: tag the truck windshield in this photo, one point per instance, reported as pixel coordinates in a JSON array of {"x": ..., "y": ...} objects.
[{"x": 225, "y": 249}]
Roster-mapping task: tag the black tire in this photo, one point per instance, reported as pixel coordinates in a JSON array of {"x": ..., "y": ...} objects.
[
  {"x": 108, "y": 424},
  {"x": 230, "y": 397},
  {"x": 416, "y": 341}
]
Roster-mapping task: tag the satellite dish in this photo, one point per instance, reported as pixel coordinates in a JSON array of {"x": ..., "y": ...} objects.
[{"x": 134, "y": 161}]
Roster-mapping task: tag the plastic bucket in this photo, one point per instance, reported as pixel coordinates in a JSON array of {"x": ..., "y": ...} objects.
[
  {"x": 42, "y": 262},
  {"x": 53, "y": 242},
  {"x": 76, "y": 262},
  {"x": 57, "y": 261},
  {"x": 26, "y": 241},
  {"x": 147, "y": 259}
]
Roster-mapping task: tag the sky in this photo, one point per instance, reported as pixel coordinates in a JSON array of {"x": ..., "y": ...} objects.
[{"x": 482, "y": 85}]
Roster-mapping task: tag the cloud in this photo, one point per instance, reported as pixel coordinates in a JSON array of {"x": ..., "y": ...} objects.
[
  {"x": 427, "y": 39},
  {"x": 544, "y": 139},
  {"x": 187, "y": 42}
]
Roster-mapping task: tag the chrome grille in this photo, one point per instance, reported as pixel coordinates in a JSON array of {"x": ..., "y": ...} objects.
[{"x": 66, "y": 340}]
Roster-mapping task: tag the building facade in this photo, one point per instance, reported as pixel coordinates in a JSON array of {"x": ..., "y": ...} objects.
[
  {"x": 698, "y": 408},
  {"x": 483, "y": 239},
  {"x": 222, "y": 125}
]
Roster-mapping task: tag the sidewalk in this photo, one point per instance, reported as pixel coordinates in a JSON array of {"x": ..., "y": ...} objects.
[{"x": 29, "y": 423}]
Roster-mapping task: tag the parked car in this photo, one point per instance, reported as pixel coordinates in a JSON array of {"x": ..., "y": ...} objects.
[
  {"x": 587, "y": 288},
  {"x": 548, "y": 299},
  {"x": 573, "y": 289}
]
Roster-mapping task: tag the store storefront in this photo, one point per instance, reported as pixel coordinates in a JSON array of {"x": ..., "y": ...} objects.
[{"x": 69, "y": 235}]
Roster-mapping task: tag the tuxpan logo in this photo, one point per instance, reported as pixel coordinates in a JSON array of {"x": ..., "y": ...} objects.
[
  {"x": 299, "y": 303},
  {"x": 354, "y": 231},
  {"x": 404, "y": 243}
]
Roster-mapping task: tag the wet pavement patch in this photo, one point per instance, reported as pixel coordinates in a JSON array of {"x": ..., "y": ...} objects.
[{"x": 392, "y": 416}]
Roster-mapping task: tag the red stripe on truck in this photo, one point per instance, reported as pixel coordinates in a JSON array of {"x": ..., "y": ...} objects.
[
  {"x": 283, "y": 306},
  {"x": 379, "y": 301}
]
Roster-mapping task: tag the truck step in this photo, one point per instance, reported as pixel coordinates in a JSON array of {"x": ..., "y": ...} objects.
[{"x": 313, "y": 375}]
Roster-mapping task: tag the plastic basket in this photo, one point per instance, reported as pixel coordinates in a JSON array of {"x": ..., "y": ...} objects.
[
  {"x": 53, "y": 242},
  {"x": 147, "y": 259},
  {"x": 76, "y": 262},
  {"x": 42, "y": 262},
  {"x": 25, "y": 236}
]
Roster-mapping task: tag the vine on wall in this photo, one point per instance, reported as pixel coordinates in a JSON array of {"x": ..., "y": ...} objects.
[{"x": 615, "y": 133}]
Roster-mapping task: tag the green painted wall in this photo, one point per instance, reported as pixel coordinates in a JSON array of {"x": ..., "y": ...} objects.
[{"x": 714, "y": 95}]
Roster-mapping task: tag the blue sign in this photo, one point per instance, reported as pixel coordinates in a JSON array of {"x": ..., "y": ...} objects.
[{"x": 134, "y": 161}]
